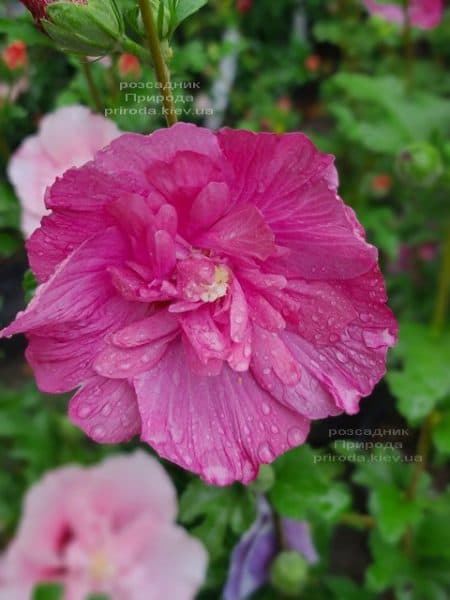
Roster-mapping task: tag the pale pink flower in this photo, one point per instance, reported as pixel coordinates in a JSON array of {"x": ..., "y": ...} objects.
[
  {"x": 108, "y": 529},
  {"x": 68, "y": 137},
  {"x": 424, "y": 14},
  {"x": 209, "y": 292}
]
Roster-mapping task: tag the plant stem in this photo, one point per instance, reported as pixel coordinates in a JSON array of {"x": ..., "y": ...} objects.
[
  {"x": 443, "y": 293},
  {"x": 423, "y": 450},
  {"x": 358, "y": 520},
  {"x": 159, "y": 64},
  {"x": 93, "y": 90}
]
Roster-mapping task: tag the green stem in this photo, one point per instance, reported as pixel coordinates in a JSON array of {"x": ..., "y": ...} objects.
[
  {"x": 443, "y": 293},
  {"x": 423, "y": 450},
  {"x": 358, "y": 520},
  {"x": 159, "y": 64},
  {"x": 93, "y": 90}
]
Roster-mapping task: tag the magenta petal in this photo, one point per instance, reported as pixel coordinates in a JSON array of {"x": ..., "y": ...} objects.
[
  {"x": 210, "y": 205},
  {"x": 158, "y": 325},
  {"x": 203, "y": 334},
  {"x": 220, "y": 427},
  {"x": 243, "y": 232},
  {"x": 106, "y": 410},
  {"x": 123, "y": 363},
  {"x": 78, "y": 289}
]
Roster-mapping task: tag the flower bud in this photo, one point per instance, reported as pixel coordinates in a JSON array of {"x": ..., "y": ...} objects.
[
  {"x": 91, "y": 28},
  {"x": 15, "y": 55},
  {"x": 289, "y": 573},
  {"x": 420, "y": 164},
  {"x": 129, "y": 65}
]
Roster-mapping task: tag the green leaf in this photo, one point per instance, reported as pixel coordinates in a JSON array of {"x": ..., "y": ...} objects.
[
  {"x": 23, "y": 28},
  {"x": 441, "y": 434},
  {"x": 304, "y": 486},
  {"x": 393, "y": 512},
  {"x": 343, "y": 588},
  {"x": 9, "y": 207},
  {"x": 186, "y": 8},
  {"x": 390, "y": 567},
  {"x": 48, "y": 591},
  {"x": 424, "y": 378},
  {"x": 378, "y": 113},
  {"x": 211, "y": 511},
  {"x": 9, "y": 243}
]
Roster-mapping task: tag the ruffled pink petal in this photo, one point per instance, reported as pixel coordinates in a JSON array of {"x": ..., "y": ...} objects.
[
  {"x": 241, "y": 233},
  {"x": 158, "y": 325},
  {"x": 220, "y": 427},
  {"x": 168, "y": 551},
  {"x": 106, "y": 410},
  {"x": 353, "y": 362},
  {"x": 123, "y": 363},
  {"x": 62, "y": 354},
  {"x": 78, "y": 289},
  {"x": 209, "y": 206},
  {"x": 294, "y": 186},
  {"x": 68, "y": 137}
]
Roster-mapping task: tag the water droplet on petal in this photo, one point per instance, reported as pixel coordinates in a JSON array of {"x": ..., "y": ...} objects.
[
  {"x": 98, "y": 432},
  {"x": 295, "y": 436},
  {"x": 265, "y": 408},
  {"x": 84, "y": 411},
  {"x": 341, "y": 357},
  {"x": 265, "y": 453},
  {"x": 106, "y": 410}
]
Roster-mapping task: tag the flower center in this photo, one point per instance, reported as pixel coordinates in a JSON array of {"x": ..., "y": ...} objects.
[
  {"x": 201, "y": 280},
  {"x": 219, "y": 287},
  {"x": 100, "y": 567}
]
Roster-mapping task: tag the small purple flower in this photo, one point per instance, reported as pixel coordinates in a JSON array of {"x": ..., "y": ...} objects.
[{"x": 253, "y": 555}]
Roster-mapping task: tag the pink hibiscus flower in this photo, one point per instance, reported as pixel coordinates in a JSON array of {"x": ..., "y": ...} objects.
[
  {"x": 68, "y": 137},
  {"x": 109, "y": 529},
  {"x": 207, "y": 291},
  {"x": 424, "y": 14}
]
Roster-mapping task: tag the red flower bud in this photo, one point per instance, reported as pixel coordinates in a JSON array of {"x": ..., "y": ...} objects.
[
  {"x": 128, "y": 64},
  {"x": 244, "y": 5},
  {"x": 15, "y": 55},
  {"x": 312, "y": 63}
]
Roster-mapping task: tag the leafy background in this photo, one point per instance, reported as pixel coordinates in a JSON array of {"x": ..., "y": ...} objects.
[{"x": 375, "y": 486}]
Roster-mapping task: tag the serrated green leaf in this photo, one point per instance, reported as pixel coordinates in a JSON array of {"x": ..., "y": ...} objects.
[
  {"x": 441, "y": 434},
  {"x": 424, "y": 378},
  {"x": 394, "y": 512},
  {"x": 389, "y": 567},
  {"x": 304, "y": 485}
]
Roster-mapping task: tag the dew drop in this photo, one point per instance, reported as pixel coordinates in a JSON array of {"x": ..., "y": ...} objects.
[
  {"x": 265, "y": 453},
  {"x": 294, "y": 437},
  {"x": 265, "y": 408},
  {"x": 106, "y": 410},
  {"x": 84, "y": 411},
  {"x": 274, "y": 429},
  {"x": 98, "y": 432},
  {"x": 341, "y": 357}
]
